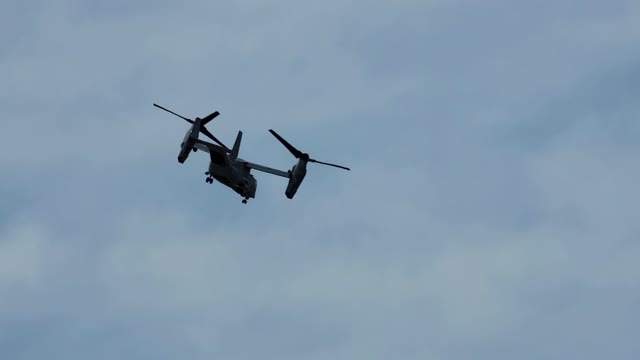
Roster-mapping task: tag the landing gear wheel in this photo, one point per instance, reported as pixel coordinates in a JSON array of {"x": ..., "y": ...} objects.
[{"x": 244, "y": 201}]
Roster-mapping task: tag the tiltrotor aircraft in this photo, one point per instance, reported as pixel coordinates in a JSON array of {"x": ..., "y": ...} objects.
[{"x": 228, "y": 169}]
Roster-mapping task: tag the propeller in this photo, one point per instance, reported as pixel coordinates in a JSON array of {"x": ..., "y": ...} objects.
[
  {"x": 171, "y": 112},
  {"x": 299, "y": 154},
  {"x": 203, "y": 122}
]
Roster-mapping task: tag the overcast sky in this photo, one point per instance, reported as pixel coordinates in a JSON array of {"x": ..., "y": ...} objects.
[{"x": 491, "y": 211}]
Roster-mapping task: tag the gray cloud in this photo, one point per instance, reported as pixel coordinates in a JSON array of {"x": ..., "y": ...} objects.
[{"x": 490, "y": 213}]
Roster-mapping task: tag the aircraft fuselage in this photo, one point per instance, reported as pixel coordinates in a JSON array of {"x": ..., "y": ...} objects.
[{"x": 234, "y": 175}]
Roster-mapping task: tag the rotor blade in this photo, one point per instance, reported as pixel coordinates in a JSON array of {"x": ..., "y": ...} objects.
[
  {"x": 210, "y": 136},
  {"x": 169, "y": 111},
  {"x": 324, "y": 163},
  {"x": 297, "y": 153},
  {"x": 209, "y": 117}
]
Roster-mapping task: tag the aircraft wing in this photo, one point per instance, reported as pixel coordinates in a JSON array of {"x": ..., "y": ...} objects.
[
  {"x": 207, "y": 146},
  {"x": 201, "y": 147},
  {"x": 267, "y": 169}
]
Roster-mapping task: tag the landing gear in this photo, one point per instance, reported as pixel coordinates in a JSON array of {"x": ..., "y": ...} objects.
[
  {"x": 209, "y": 180},
  {"x": 244, "y": 201}
]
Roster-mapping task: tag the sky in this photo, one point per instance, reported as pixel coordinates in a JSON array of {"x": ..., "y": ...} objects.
[{"x": 491, "y": 210}]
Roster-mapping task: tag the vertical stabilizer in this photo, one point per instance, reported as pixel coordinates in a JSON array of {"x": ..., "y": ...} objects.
[{"x": 236, "y": 146}]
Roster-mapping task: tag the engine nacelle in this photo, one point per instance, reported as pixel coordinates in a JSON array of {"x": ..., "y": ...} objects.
[
  {"x": 188, "y": 142},
  {"x": 298, "y": 173}
]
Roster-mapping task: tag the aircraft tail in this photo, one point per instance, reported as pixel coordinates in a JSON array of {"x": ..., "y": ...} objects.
[{"x": 236, "y": 146}]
